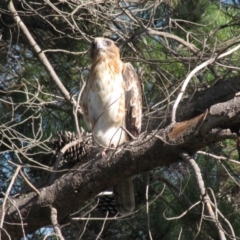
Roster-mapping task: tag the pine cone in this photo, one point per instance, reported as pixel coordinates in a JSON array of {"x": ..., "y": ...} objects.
[
  {"x": 78, "y": 146},
  {"x": 106, "y": 205}
]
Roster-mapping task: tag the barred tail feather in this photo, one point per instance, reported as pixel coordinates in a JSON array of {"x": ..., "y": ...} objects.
[{"x": 124, "y": 196}]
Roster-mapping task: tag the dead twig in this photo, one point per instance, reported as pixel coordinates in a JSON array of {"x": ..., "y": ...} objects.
[
  {"x": 7, "y": 195},
  {"x": 55, "y": 223},
  {"x": 204, "y": 195}
]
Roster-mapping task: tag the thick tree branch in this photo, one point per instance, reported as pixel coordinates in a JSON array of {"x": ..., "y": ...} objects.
[
  {"x": 222, "y": 91},
  {"x": 151, "y": 150},
  {"x": 192, "y": 73},
  {"x": 202, "y": 119}
]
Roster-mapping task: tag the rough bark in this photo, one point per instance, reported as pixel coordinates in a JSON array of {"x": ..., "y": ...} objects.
[
  {"x": 212, "y": 115},
  {"x": 151, "y": 150}
]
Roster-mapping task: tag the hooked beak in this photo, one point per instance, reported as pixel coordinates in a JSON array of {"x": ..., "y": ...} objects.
[{"x": 99, "y": 44}]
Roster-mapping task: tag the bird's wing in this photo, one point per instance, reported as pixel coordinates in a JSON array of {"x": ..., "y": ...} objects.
[{"x": 133, "y": 99}]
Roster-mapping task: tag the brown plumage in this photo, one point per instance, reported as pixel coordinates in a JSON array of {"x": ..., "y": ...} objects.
[{"x": 112, "y": 102}]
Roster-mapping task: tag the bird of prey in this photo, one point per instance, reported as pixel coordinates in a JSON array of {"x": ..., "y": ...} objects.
[{"x": 112, "y": 107}]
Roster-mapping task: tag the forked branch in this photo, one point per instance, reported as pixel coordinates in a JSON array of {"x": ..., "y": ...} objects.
[{"x": 204, "y": 195}]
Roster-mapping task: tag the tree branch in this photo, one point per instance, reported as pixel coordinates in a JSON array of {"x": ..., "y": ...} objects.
[
  {"x": 222, "y": 91},
  {"x": 193, "y": 72},
  {"x": 204, "y": 194},
  {"x": 55, "y": 223},
  {"x": 40, "y": 53},
  {"x": 151, "y": 150}
]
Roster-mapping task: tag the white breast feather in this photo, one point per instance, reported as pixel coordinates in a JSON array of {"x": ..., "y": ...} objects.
[{"x": 107, "y": 110}]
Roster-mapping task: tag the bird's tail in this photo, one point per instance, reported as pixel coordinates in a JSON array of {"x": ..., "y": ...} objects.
[{"x": 124, "y": 196}]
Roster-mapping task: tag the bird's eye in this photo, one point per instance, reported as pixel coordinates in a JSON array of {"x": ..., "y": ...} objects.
[
  {"x": 108, "y": 43},
  {"x": 93, "y": 45}
]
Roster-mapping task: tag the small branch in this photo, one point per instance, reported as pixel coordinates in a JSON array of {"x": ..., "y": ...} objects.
[
  {"x": 185, "y": 83},
  {"x": 183, "y": 214},
  {"x": 9, "y": 237},
  {"x": 6, "y": 196},
  {"x": 55, "y": 223},
  {"x": 204, "y": 194},
  {"x": 222, "y": 216},
  {"x": 75, "y": 110},
  {"x": 180, "y": 234},
  {"x": 147, "y": 209},
  {"x": 104, "y": 222},
  {"x": 200, "y": 222},
  {"x": 192, "y": 73},
  {"x": 29, "y": 183},
  {"x": 40, "y": 53},
  {"x": 84, "y": 229},
  {"x": 190, "y": 46}
]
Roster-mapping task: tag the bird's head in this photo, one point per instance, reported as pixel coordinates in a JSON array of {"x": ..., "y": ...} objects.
[{"x": 103, "y": 48}]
